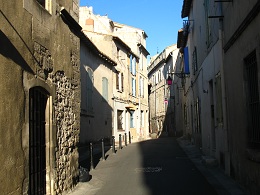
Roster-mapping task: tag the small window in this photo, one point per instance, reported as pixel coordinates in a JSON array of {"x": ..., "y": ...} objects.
[
  {"x": 47, "y": 4},
  {"x": 120, "y": 119},
  {"x": 120, "y": 81},
  {"x": 132, "y": 118},
  {"x": 41, "y": 2},
  {"x": 105, "y": 88}
]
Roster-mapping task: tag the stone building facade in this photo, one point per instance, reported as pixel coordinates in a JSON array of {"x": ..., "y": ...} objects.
[
  {"x": 97, "y": 72},
  {"x": 241, "y": 67},
  {"x": 126, "y": 46},
  {"x": 221, "y": 94},
  {"x": 40, "y": 96},
  {"x": 161, "y": 97}
]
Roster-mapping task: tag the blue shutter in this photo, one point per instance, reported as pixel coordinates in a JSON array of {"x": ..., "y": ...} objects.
[
  {"x": 130, "y": 67},
  {"x": 186, "y": 61}
]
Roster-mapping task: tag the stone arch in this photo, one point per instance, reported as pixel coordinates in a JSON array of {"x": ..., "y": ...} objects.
[{"x": 39, "y": 86}]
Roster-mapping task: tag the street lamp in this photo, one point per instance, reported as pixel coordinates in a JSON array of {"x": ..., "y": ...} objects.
[{"x": 169, "y": 81}]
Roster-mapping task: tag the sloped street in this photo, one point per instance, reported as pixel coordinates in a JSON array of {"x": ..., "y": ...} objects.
[{"x": 152, "y": 167}]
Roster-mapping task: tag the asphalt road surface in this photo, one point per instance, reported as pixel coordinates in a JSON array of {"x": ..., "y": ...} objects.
[{"x": 152, "y": 167}]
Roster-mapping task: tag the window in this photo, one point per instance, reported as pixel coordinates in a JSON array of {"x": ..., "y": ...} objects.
[
  {"x": 253, "y": 105},
  {"x": 133, "y": 87},
  {"x": 105, "y": 88},
  {"x": 41, "y": 2},
  {"x": 132, "y": 118},
  {"x": 120, "y": 119},
  {"x": 133, "y": 65},
  {"x": 47, "y": 4},
  {"x": 120, "y": 81},
  {"x": 142, "y": 118},
  {"x": 89, "y": 84}
]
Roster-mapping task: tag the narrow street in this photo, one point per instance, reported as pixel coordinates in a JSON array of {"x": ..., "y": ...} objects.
[{"x": 152, "y": 167}]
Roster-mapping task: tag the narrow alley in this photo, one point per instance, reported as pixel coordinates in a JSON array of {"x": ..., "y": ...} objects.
[{"x": 153, "y": 167}]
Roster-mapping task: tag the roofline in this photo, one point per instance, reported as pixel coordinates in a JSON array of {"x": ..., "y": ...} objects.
[{"x": 83, "y": 37}]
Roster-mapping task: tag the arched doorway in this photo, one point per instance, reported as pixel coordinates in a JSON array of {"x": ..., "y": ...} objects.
[{"x": 37, "y": 140}]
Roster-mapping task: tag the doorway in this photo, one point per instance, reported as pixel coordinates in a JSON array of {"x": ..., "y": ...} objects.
[{"x": 37, "y": 140}]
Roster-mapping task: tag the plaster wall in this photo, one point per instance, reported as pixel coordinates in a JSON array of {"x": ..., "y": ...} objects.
[{"x": 241, "y": 168}]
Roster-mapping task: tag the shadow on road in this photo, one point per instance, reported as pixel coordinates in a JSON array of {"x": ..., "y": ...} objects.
[{"x": 167, "y": 170}]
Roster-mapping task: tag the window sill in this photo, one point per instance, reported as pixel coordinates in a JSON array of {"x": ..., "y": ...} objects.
[{"x": 253, "y": 155}]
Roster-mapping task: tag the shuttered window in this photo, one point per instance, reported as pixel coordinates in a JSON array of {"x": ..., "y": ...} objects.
[
  {"x": 120, "y": 81},
  {"x": 132, "y": 118},
  {"x": 105, "y": 88}
]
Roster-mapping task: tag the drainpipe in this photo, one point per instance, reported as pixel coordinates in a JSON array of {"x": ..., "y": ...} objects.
[{"x": 139, "y": 93}]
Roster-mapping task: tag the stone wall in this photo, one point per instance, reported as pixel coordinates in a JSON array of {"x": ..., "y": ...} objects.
[{"x": 66, "y": 138}]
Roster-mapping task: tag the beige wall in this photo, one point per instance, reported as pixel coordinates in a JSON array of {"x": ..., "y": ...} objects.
[{"x": 102, "y": 32}]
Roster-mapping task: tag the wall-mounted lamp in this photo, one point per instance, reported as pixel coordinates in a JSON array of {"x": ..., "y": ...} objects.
[{"x": 169, "y": 81}]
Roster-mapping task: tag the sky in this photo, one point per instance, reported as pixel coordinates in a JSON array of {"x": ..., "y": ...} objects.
[{"x": 160, "y": 20}]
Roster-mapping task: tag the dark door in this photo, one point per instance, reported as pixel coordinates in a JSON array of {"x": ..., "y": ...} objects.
[{"x": 37, "y": 152}]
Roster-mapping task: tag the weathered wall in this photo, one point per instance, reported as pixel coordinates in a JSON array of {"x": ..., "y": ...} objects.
[
  {"x": 97, "y": 122},
  {"x": 243, "y": 167},
  {"x": 40, "y": 50}
]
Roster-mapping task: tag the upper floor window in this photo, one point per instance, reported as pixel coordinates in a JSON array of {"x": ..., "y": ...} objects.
[
  {"x": 120, "y": 81},
  {"x": 47, "y": 4},
  {"x": 105, "y": 88},
  {"x": 132, "y": 65}
]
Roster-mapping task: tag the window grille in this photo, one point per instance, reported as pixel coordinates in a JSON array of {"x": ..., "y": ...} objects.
[
  {"x": 120, "y": 119},
  {"x": 37, "y": 142},
  {"x": 253, "y": 99}
]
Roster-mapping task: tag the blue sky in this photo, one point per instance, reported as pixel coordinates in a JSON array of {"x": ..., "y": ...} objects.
[{"x": 161, "y": 20}]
